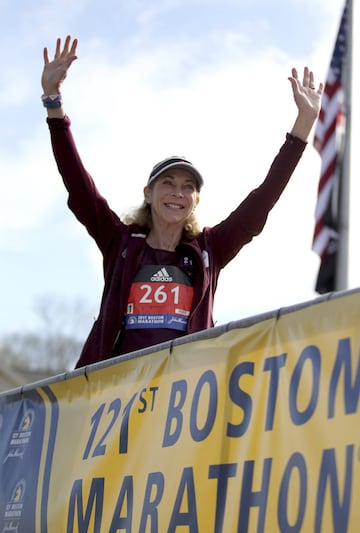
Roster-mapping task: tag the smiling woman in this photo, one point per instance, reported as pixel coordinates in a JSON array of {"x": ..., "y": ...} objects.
[{"x": 161, "y": 270}]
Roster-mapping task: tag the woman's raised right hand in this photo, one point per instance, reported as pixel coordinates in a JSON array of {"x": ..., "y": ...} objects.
[{"x": 55, "y": 71}]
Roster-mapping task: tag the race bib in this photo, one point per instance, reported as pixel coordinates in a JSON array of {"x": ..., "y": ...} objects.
[{"x": 160, "y": 297}]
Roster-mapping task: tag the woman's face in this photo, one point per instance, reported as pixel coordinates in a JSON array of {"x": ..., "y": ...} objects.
[{"x": 173, "y": 196}]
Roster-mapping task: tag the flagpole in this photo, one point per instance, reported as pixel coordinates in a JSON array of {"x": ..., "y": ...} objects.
[{"x": 342, "y": 256}]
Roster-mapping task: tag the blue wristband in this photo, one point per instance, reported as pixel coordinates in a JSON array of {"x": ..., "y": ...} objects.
[{"x": 52, "y": 101}]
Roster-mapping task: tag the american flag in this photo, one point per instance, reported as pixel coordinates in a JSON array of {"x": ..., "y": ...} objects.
[{"x": 328, "y": 141}]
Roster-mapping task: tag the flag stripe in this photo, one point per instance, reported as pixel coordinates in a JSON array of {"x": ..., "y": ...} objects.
[{"x": 324, "y": 197}]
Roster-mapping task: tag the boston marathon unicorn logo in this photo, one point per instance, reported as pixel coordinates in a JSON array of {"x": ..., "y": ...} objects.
[
  {"x": 14, "y": 508},
  {"x": 20, "y": 438}
]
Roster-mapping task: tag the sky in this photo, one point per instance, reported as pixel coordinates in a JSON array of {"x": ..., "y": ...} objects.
[{"x": 202, "y": 78}]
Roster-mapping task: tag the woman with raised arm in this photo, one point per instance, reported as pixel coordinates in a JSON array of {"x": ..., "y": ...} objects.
[{"x": 160, "y": 268}]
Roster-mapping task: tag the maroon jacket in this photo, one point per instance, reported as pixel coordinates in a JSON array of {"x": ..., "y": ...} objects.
[{"x": 121, "y": 244}]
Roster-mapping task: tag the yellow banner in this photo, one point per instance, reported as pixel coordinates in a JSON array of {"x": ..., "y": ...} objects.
[{"x": 256, "y": 429}]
